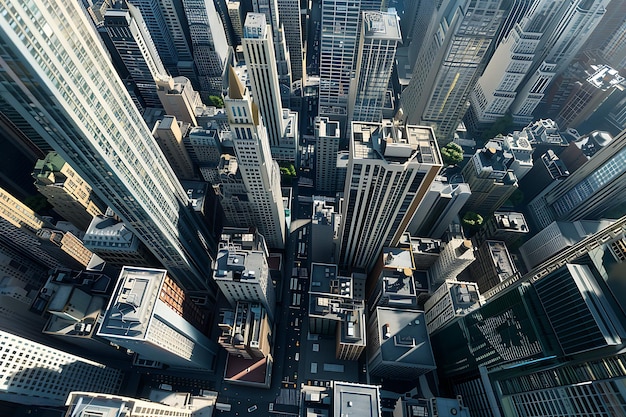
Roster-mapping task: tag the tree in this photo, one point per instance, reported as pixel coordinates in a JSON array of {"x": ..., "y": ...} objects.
[
  {"x": 217, "y": 101},
  {"x": 472, "y": 220},
  {"x": 452, "y": 154}
]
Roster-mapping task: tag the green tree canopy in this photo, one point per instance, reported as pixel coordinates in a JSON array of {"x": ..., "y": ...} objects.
[
  {"x": 452, "y": 154},
  {"x": 472, "y": 220},
  {"x": 217, "y": 101}
]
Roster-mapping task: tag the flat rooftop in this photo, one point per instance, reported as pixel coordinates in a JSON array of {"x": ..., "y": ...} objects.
[
  {"x": 501, "y": 259},
  {"x": 381, "y": 25},
  {"x": 132, "y": 304},
  {"x": 404, "y": 337},
  {"x": 510, "y": 220},
  {"x": 355, "y": 400},
  {"x": 324, "y": 280}
]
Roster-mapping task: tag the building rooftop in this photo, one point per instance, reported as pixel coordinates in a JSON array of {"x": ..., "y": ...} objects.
[
  {"x": 501, "y": 259},
  {"x": 381, "y": 25},
  {"x": 239, "y": 265},
  {"x": 511, "y": 221},
  {"x": 110, "y": 232},
  {"x": 248, "y": 371},
  {"x": 196, "y": 193},
  {"x": 355, "y": 400},
  {"x": 133, "y": 302},
  {"x": 324, "y": 280},
  {"x": 605, "y": 77},
  {"x": 241, "y": 238},
  {"x": 255, "y": 26},
  {"x": 394, "y": 143},
  {"x": 404, "y": 337}
]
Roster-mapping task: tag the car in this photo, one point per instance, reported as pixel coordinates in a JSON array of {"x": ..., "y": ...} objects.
[{"x": 252, "y": 408}]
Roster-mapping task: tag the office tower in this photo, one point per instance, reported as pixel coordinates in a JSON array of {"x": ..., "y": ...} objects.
[
  {"x": 441, "y": 204},
  {"x": 283, "y": 61},
  {"x": 546, "y": 170},
  {"x": 489, "y": 178},
  {"x": 24, "y": 230},
  {"x": 206, "y": 149},
  {"x": 37, "y": 374},
  {"x": 390, "y": 283},
  {"x": 152, "y": 316},
  {"x": 169, "y": 134},
  {"x": 456, "y": 255},
  {"x": 261, "y": 195},
  {"x": 327, "y": 138},
  {"x": 325, "y": 223},
  {"x": 129, "y": 34},
  {"x": 409, "y": 407},
  {"x": 236, "y": 19},
  {"x": 338, "y": 47},
  {"x": 166, "y": 32},
  {"x": 459, "y": 37},
  {"x": 556, "y": 237},
  {"x": 561, "y": 37},
  {"x": 493, "y": 265},
  {"x": 179, "y": 99},
  {"x": 617, "y": 117},
  {"x": 348, "y": 398},
  {"x": 289, "y": 11},
  {"x": 595, "y": 188},
  {"x": 281, "y": 124},
  {"x": 334, "y": 310},
  {"x": 98, "y": 131},
  {"x": 451, "y": 300},
  {"x": 159, "y": 403},
  {"x": 69, "y": 194},
  {"x": 110, "y": 238},
  {"x": 379, "y": 37},
  {"x": 505, "y": 226},
  {"x": 242, "y": 274},
  {"x": 593, "y": 85},
  {"x": 390, "y": 169},
  {"x": 398, "y": 346},
  {"x": 246, "y": 330},
  {"x": 583, "y": 148},
  {"x": 208, "y": 42}
]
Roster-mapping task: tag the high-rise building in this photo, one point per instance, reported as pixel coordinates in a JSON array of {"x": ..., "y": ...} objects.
[
  {"x": 391, "y": 283},
  {"x": 169, "y": 134},
  {"x": 159, "y": 403},
  {"x": 338, "y": 47},
  {"x": 289, "y": 11},
  {"x": 379, "y": 37},
  {"x": 547, "y": 169},
  {"x": 246, "y": 330},
  {"x": 458, "y": 39},
  {"x": 390, "y": 170},
  {"x": 441, "y": 204},
  {"x": 281, "y": 125},
  {"x": 129, "y": 34},
  {"x": 270, "y": 9},
  {"x": 108, "y": 237},
  {"x": 261, "y": 196},
  {"x": 456, "y": 255},
  {"x": 595, "y": 188},
  {"x": 151, "y": 315},
  {"x": 493, "y": 265},
  {"x": 37, "y": 374},
  {"x": 505, "y": 226},
  {"x": 563, "y": 28},
  {"x": 179, "y": 99},
  {"x": 235, "y": 13},
  {"x": 243, "y": 275},
  {"x": 325, "y": 224},
  {"x": 94, "y": 125},
  {"x": 69, "y": 194},
  {"x": 489, "y": 177},
  {"x": 397, "y": 344},
  {"x": 208, "y": 42},
  {"x": 327, "y": 139},
  {"x": 451, "y": 300}
]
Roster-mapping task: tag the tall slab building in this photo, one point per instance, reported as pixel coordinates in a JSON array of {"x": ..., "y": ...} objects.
[
  {"x": 260, "y": 197},
  {"x": 459, "y": 37},
  {"x": 58, "y": 77},
  {"x": 390, "y": 170}
]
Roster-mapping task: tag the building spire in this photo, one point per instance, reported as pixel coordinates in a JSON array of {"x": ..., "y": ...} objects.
[{"x": 236, "y": 90}]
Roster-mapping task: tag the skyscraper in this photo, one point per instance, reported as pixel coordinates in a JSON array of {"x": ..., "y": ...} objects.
[
  {"x": 551, "y": 32},
  {"x": 129, "y": 34},
  {"x": 37, "y": 374},
  {"x": 68, "y": 193},
  {"x": 260, "y": 174},
  {"x": 152, "y": 316},
  {"x": 380, "y": 34},
  {"x": 459, "y": 37},
  {"x": 289, "y": 11},
  {"x": 390, "y": 170},
  {"x": 593, "y": 189},
  {"x": 258, "y": 49},
  {"x": 78, "y": 103},
  {"x": 327, "y": 137},
  {"x": 208, "y": 42},
  {"x": 169, "y": 134}
]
